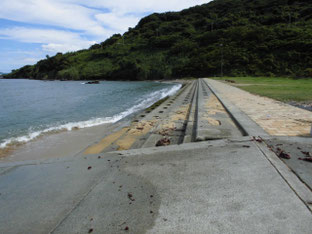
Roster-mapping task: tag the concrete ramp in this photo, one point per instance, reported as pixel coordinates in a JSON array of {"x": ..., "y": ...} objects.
[
  {"x": 213, "y": 121},
  {"x": 236, "y": 184},
  {"x": 210, "y": 187}
]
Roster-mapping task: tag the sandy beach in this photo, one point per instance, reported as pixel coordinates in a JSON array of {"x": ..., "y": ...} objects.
[{"x": 63, "y": 144}]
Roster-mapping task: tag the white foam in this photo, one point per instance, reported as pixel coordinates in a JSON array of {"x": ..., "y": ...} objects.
[{"x": 142, "y": 103}]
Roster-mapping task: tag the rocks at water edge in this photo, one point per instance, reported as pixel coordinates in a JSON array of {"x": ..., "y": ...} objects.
[{"x": 93, "y": 82}]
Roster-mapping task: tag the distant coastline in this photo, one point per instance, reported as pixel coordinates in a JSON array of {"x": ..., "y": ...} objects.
[{"x": 2, "y": 74}]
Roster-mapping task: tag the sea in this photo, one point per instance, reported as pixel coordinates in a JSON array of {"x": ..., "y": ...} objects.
[{"x": 32, "y": 108}]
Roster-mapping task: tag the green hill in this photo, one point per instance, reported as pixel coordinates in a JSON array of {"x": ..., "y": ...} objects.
[{"x": 250, "y": 37}]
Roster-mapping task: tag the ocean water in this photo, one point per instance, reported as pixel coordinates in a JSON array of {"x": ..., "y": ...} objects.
[{"x": 31, "y": 108}]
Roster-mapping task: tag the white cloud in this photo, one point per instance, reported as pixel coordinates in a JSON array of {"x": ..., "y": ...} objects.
[
  {"x": 53, "y": 47},
  {"x": 126, "y": 6},
  {"x": 83, "y": 15},
  {"x": 29, "y": 60},
  {"x": 52, "y": 40},
  {"x": 17, "y": 58},
  {"x": 51, "y": 13},
  {"x": 116, "y": 21},
  {"x": 68, "y": 25}
]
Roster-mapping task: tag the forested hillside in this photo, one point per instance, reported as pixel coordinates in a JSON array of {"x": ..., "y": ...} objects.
[{"x": 249, "y": 37}]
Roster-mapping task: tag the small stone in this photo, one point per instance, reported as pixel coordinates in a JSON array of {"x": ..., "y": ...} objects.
[
  {"x": 130, "y": 196},
  {"x": 282, "y": 154},
  {"x": 163, "y": 142}
]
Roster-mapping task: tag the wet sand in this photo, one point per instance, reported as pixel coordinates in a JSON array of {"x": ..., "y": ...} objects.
[
  {"x": 63, "y": 144},
  {"x": 90, "y": 140}
]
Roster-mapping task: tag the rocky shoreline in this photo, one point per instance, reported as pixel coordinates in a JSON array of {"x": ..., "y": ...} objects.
[{"x": 302, "y": 105}]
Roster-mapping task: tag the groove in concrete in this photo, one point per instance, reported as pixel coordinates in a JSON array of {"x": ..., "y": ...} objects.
[
  {"x": 190, "y": 130},
  {"x": 173, "y": 124},
  {"x": 213, "y": 122},
  {"x": 246, "y": 124}
]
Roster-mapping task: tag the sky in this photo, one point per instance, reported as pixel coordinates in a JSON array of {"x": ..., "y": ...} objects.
[{"x": 32, "y": 29}]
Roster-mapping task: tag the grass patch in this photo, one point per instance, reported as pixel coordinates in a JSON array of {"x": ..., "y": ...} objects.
[{"x": 282, "y": 89}]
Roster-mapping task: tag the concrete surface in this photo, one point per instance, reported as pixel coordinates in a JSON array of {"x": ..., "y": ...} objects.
[
  {"x": 190, "y": 129},
  {"x": 295, "y": 146},
  {"x": 63, "y": 144},
  {"x": 211, "y": 187},
  {"x": 145, "y": 128},
  {"x": 174, "y": 118},
  {"x": 213, "y": 122},
  {"x": 248, "y": 126},
  {"x": 233, "y": 185},
  {"x": 275, "y": 117}
]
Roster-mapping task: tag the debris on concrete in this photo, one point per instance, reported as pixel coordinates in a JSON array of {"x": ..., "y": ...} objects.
[
  {"x": 130, "y": 196},
  {"x": 283, "y": 154},
  {"x": 257, "y": 139},
  {"x": 308, "y": 159},
  {"x": 163, "y": 142},
  {"x": 307, "y": 154},
  {"x": 166, "y": 131}
]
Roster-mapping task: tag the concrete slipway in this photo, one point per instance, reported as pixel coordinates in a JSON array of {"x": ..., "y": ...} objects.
[{"x": 229, "y": 185}]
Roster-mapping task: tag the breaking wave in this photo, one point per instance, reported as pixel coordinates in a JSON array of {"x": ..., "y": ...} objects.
[{"x": 142, "y": 103}]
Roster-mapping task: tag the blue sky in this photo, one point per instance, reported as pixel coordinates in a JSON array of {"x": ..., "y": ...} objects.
[{"x": 32, "y": 29}]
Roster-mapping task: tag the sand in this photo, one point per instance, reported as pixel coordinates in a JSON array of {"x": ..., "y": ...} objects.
[
  {"x": 63, "y": 144},
  {"x": 86, "y": 141}
]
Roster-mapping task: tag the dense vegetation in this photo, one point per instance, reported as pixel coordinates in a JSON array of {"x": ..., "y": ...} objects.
[{"x": 248, "y": 37}]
